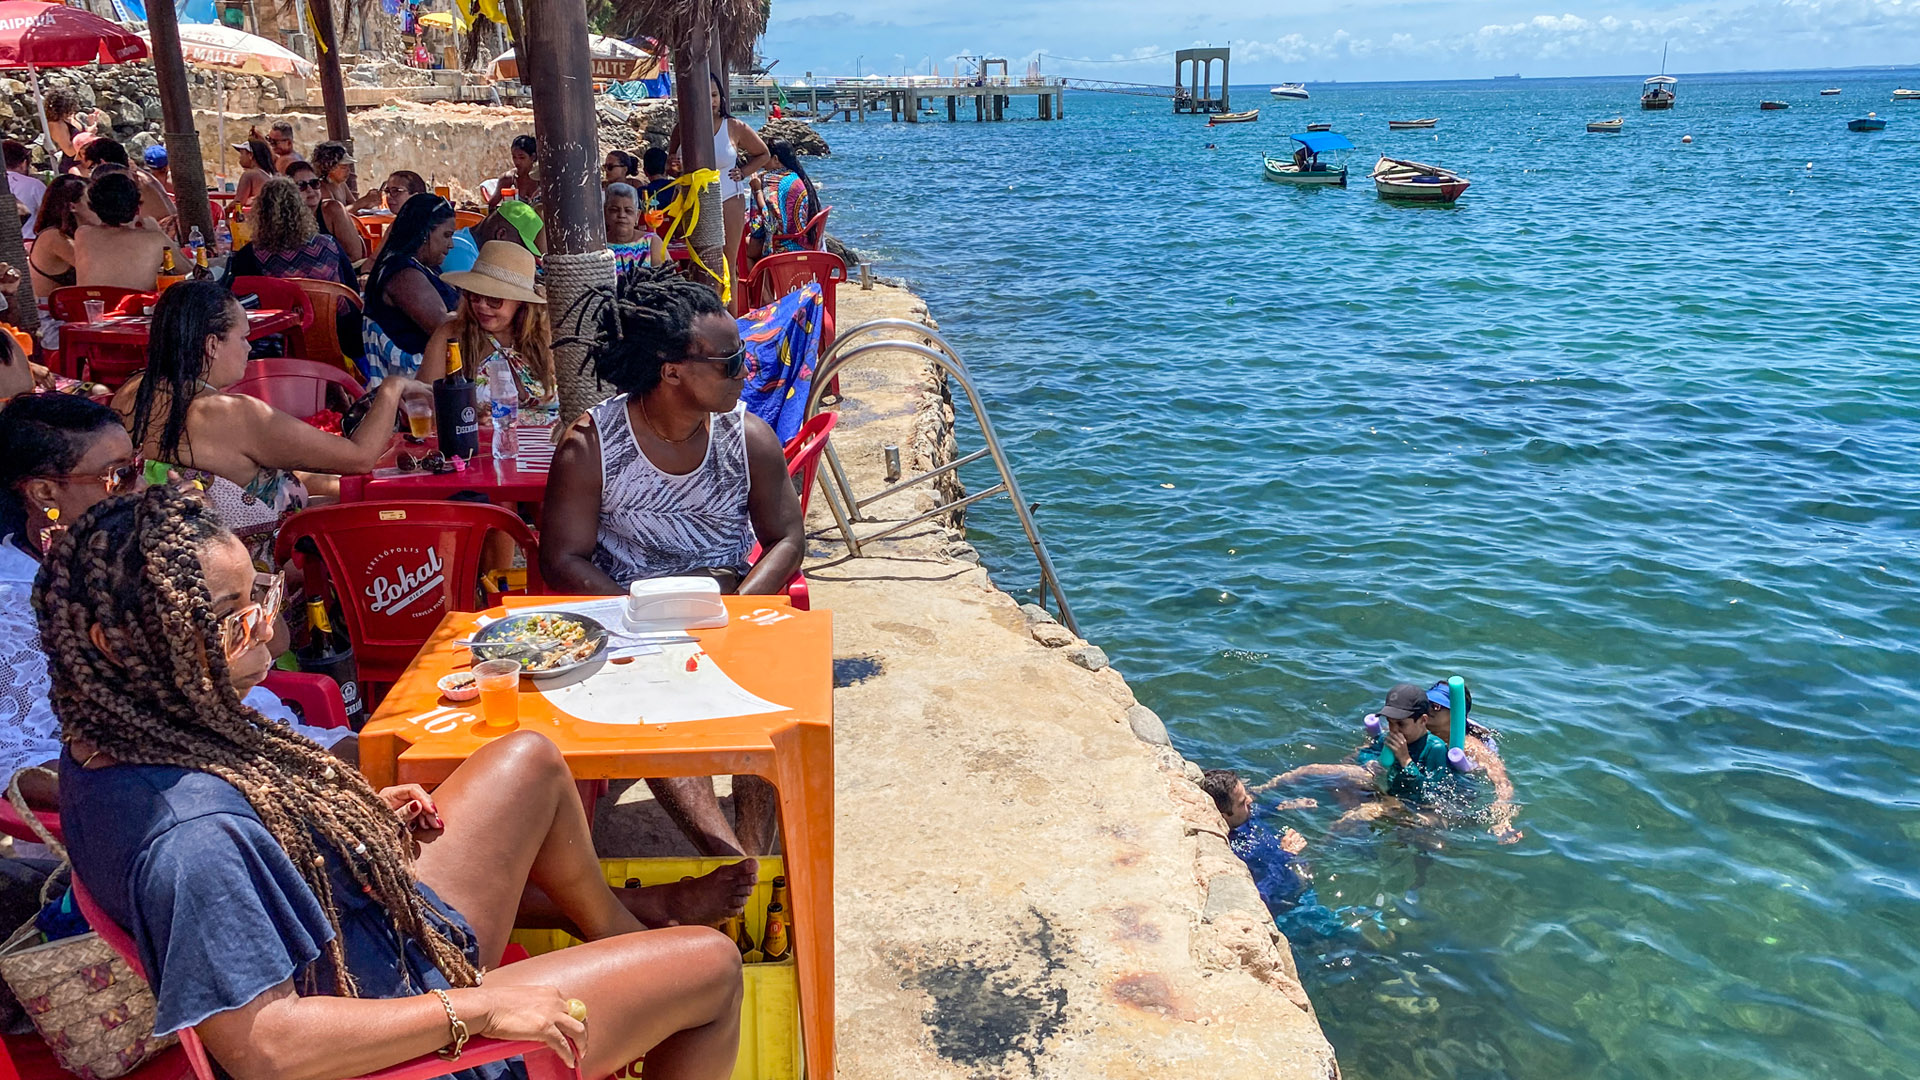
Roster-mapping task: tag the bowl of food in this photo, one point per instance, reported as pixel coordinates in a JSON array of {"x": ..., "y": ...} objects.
[
  {"x": 459, "y": 686},
  {"x": 546, "y": 643}
]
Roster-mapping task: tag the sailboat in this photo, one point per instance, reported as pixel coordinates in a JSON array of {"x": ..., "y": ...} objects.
[{"x": 1657, "y": 92}]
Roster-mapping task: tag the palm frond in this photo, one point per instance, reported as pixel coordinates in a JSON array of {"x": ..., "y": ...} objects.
[{"x": 739, "y": 23}]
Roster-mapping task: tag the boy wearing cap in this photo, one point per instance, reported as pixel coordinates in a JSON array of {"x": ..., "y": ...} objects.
[{"x": 1419, "y": 771}]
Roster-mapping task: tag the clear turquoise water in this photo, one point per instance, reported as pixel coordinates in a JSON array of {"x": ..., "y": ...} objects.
[{"x": 1628, "y": 438}]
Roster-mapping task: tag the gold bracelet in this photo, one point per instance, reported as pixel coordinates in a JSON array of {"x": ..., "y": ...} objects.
[{"x": 457, "y": 1026}]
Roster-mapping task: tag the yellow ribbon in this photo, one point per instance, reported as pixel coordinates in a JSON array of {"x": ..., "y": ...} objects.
[{"x": 685, "y": 210}]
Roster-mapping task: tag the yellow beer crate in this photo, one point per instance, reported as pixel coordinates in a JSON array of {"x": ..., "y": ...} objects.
[{"x": 770, "y": 1011}]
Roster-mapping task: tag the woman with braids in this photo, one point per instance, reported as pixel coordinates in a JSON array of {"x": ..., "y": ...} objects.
[
  {"x": 60, "y": 455},
  {"x": 306, "y": 925},
  {"x": 406, "y": 300},
  {"x": 788, "y": 203},
  {"x": 672, "y": 476},
  {"x": 246, "y": 451}
]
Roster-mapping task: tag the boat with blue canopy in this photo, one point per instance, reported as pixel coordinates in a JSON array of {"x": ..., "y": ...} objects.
[{"x": 1306, "y": 167}]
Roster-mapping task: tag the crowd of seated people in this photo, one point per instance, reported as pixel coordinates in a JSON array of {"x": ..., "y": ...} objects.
[{"x": 141, "y": 610}]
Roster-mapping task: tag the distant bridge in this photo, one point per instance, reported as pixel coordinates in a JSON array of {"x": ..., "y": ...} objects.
[{"x": 1105, "y": 87}]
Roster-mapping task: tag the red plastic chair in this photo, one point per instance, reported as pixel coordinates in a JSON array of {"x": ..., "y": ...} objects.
[
  {"x": 803, "y": 461},
  {"x": 298, "y": 387},
  {"x": 278, "y": 294},
  {"x": 397, "y": 567},
  {"x": 542, "y": 1063},
  {"x": 93, "y": 362},
  {"x": 812, "y": 235},
  {"x": 777, "y": 275},
  {"x": 316, "y": 696}
]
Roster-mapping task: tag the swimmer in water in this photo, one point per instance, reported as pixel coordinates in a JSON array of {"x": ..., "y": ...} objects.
[
  {"x": 1274, "y": 861},
  {"x": 1417, "y": 726}
]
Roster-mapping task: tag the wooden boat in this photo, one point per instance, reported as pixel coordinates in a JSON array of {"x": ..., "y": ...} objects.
[
  {"x": 1411, "y": 125},
  {"x": 1319, "y": 127},
  {"x": 1292, "y": 91},
  {"x": 1247, "y": 117},
  {"x": 1410, "y": 181},
  {"x": 1305, "y": 167},
  {"x": 1774, "y": 106},
  {"x": 1831, "y": 91},
  {"x": 1869, "y": 122},
  {"x": 1607, "y": 127},
  {"x": 1657, "y": 92},
  {"x": 1906, "y": 95}
]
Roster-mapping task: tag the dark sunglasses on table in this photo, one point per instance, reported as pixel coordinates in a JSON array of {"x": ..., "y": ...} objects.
[
  {"x": 308, "y": 185},
  {"x": 117, "y": 479},
  {"x": 734, "y": 363},
  {"x": 243, "y": 627}
]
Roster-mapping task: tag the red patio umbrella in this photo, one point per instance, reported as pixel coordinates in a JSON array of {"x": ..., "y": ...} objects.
[{"x": 34, "y": 35}]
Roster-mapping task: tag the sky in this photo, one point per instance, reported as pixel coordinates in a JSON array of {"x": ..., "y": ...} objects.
[{"x": 1351, "y": 40}]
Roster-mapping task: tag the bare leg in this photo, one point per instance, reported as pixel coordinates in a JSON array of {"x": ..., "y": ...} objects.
[
  {"x": 672, "y": 995},
  {"x": 1357, "y": 775},
  {"x": 514, "y": 819},
  {"x": 691, "y": 803},
  {"x": 754, "y": 804},
  {"x": 734, "y": 211}
]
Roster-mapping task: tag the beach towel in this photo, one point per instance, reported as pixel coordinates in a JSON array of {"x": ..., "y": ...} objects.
[{"x": 783, "y": 345}]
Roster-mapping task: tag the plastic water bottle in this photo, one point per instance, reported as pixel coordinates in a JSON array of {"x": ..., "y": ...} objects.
[
  {"x": 503, "y": 405},
  {"x": 195, "y": 241}
]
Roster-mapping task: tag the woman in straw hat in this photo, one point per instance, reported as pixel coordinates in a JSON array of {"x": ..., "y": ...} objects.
[{"x": 501, "y": 312}]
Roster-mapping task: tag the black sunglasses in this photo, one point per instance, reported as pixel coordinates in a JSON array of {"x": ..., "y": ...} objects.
[
  {"x": 735, "y": 361},
  {"x": 307, "y": 185}
]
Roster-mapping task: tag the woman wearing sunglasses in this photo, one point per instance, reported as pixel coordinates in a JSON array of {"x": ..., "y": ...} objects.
[
  {"x": 303, "y": 923},
  {"x": 673, "y": 477},
  {"x": 502, "y": 312},
  {"x": 59, "y": 456},
  {"x": 330, "y": 213}
]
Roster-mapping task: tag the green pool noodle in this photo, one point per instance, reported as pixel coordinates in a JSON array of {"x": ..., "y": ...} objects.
[{"x": 1457, "y": 707}]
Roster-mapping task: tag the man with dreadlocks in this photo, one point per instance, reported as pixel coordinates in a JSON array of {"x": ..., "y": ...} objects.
[
  {"x": 673, "y": 477},
  {"x": 305, "y": 924}
]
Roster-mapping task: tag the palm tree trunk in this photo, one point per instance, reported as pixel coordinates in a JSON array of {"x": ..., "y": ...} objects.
[{"x": 13, "y": 251}]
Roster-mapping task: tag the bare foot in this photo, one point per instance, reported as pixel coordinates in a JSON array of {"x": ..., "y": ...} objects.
[{"x": 707, "y": 900}]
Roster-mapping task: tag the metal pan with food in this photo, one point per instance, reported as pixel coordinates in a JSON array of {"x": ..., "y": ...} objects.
[{"x": 546, "y": 643}]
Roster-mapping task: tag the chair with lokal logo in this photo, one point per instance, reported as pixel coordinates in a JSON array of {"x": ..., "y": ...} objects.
[{"x": 398, "y": 567}]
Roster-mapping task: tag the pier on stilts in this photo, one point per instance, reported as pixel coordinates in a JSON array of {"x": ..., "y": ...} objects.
[{"x": 986, "y": 95}]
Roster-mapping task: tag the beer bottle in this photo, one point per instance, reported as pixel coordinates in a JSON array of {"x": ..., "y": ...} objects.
[
  {"x": 780, "y": 895},
  {"x": 774, "y": 942},
  {"x": 201, "y": 271},
  {"x": 166, "y": 262},
  {"x": 456, "y": 409},
  {"x": 736, "y": 928},
  {"x": 329, "y": 652}
]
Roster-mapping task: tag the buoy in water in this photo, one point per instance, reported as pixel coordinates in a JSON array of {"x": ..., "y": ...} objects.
[{"x": 1686, "y": 138}]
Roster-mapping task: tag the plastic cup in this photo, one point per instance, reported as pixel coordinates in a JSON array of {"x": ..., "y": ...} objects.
[
  {"x": 96, "y": 310},
  {"x": 419, "y": 416},
  {"x": 499, "y": 682}
]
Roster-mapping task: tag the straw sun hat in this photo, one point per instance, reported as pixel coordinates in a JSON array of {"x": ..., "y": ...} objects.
[{"x": 504, "y": 271}]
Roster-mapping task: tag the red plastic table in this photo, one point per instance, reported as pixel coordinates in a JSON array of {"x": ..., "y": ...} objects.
[
  {"x": 777, "y": 654},
  {"x": 130, "y": 332},
  {"x": 503, "y": 482}
]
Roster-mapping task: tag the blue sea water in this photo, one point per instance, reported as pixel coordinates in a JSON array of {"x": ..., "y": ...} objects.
[{"x": 1627, "y": 438}]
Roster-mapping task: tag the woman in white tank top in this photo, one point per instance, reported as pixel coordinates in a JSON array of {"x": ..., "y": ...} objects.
[
  {"x": 738, "y": 152},
  {"x": 673, "y": 476}
]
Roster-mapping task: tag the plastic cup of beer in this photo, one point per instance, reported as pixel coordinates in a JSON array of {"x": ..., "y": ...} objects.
[
  {"x": 499, "y": 682},
  {"x": 419, "y": 416},
  {"x": 96, "y": 310}
]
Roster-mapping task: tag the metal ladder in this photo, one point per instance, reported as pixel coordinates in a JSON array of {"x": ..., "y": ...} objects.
[{"x": 909, "y": 336}]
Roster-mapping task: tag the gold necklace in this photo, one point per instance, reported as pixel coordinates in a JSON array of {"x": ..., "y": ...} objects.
[{"x": 697, "y": 428}]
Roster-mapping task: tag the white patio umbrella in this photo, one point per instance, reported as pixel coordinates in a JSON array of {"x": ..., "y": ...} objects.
[
  {"x": 601, "y": 48},
  {"x": 222, "y": 49}
]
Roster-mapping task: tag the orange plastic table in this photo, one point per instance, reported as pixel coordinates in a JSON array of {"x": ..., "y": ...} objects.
[{"x": 768, "y": 649}]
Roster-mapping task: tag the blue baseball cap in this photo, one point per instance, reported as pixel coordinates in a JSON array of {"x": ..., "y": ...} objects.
[
  {"x": 155, "y": 157},
  {"x": 1441, "y": 696}
]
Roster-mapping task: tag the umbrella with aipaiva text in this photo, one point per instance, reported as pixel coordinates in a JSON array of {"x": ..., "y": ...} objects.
[{"x": 34, "y": 35}]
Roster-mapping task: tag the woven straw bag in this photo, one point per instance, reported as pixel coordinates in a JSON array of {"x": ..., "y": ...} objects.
[{"x": 94, "y": 1012}]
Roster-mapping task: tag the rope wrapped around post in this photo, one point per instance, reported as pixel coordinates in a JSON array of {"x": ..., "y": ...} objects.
[
  {"x": 709, "y": 241},
  {"x": 579, "y": 295}
]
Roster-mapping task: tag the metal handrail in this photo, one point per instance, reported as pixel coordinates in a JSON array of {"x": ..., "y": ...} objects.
[{"x": 846, "y": 507}]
